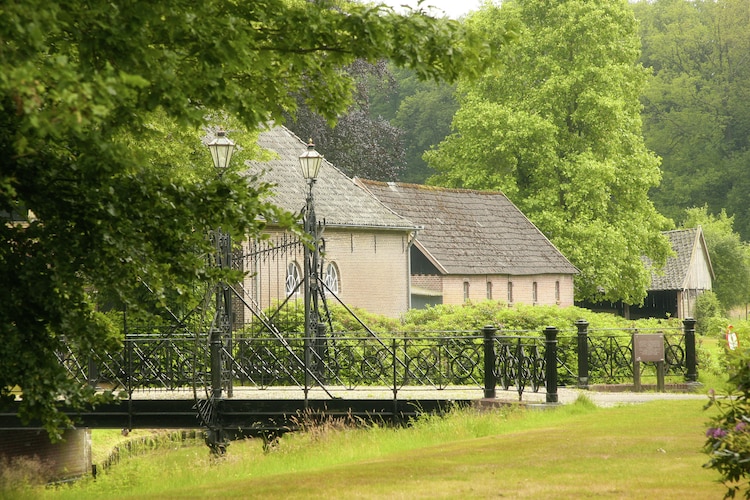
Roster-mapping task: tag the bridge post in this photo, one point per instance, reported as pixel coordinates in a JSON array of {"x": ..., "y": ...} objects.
[
  {"x": 215, "y": 354},
  {"x": 215, "y": 437},
  {"x": 688, "y": 325},
  {"x": 583, "y": 353},
  {"x": 490, "y": 380},
  {"x": 321, "y": 351},
  {"x": 550, "y": 362},
  {"x": 93, "y": 372}
]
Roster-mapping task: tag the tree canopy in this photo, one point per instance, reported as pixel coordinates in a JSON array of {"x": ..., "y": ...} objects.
[
  {"x": 90, "y": 90},
  {"x": 697, "y": 105},
  {"x": 555, "y": 124},
  {"x": 359, "y": 144}
]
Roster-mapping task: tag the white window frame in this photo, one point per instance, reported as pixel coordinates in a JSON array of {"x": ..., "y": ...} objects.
[
  {"x": 293, "y": 278},
  {"x": 333, "y": 278}
]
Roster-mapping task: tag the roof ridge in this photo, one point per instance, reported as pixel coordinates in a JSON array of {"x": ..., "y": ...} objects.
[{"x": 426, "y": 187}]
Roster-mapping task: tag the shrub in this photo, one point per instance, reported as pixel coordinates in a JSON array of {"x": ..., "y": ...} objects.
[
  {"x": 20, "y": 473},
  {"x": 709, "y": 314},
  {"x": 728, "y": 435}
]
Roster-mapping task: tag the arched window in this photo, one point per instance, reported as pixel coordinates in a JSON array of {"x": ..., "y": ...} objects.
[
  {"x": 293, "y": 277},
  {"x": 332, "y": 278}
]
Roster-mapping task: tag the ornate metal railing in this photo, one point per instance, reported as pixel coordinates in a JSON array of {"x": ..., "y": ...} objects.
[
  {"x": 606, "y": 356},
  {"x": 437, "y": 360},
  {"x": 518, "y": 360},
  {"x": 145, "y": 362}
]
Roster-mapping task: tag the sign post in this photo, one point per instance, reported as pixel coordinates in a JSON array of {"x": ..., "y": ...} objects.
[{"x": 648, "y": 348}]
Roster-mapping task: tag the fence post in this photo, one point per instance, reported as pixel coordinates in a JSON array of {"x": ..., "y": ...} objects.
[
  {"x": 550, "y": 362},
  {"x": 690, "y": 361},
  {"x": 490, "y": 380},
  {"x": 215, "y": 358},
  {"x": 583, "y": 353},
  {"x": 93, "y": 372}
]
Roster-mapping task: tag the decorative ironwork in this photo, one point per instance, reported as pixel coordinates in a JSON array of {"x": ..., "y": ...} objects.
[
  {"x": 179, "y": 362},
  {"x": 519, "y": 363},
  {"x": 609, "y": 356}
]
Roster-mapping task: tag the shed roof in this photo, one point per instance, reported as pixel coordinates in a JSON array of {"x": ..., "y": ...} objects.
[
  {"x": 338, "y": 200},
  {"x": 685, "y": 243},
  {"x": 472, "y": 232}
]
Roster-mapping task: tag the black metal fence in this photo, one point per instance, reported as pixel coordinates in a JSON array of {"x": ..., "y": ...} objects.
[{"x": 488, "y": 359}]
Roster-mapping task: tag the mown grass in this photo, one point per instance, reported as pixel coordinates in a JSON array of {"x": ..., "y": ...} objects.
[{"x": 575, "y": 451}]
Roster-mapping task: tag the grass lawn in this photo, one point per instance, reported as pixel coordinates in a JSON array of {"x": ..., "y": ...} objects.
[{"x": 650, "y": 450}]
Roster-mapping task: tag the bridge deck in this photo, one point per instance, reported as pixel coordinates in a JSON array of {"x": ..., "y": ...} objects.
[{"x": 273, "y": 408}]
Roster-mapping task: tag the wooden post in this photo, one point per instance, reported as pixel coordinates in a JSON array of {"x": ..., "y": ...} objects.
[{"x": 648, "y": 348}]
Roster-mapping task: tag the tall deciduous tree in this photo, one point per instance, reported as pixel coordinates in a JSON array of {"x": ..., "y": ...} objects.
[
  {"x": 79, "y": 83},
  {"x": 556, "y": 125}
]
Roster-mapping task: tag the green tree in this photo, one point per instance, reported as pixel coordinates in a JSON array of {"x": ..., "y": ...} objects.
[
  {"x": 730, "y": 257},
  {"x": 697, "y": 106},
  {"x": 555, "y": 125},
  {"x": 425, "y": 117},
  {"x": 422, "y": 110},
  {"x": 88, "y": 90}
]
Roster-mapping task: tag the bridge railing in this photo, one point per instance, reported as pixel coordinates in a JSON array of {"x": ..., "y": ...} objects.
[
  {"x": 605, "y": 356},
  {"x": 490, "y": 357},
  {"x": 437, "y": 360}
]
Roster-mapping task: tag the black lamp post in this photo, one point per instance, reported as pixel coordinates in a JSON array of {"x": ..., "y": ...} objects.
[
  {"x": 310, "y": 162},
  {"x": 221, "y": 329}
]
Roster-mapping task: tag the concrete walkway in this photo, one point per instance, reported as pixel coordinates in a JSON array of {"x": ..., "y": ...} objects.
[
  {"x": 611, "y": 398},
  {"x": 565, "y": 395}
]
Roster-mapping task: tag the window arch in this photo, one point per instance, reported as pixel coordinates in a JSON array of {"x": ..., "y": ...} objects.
[
  {"x": 333, "y": 281},
  {"x": 293, "y": 278}
]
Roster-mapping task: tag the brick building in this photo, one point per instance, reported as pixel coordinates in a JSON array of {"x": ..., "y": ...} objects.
[
  {"x": 389, "y": 247},
  {"x": 476, "y": 245}
]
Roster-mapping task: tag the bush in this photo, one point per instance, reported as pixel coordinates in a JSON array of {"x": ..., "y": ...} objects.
[
  {"x": 728, "y": 435},
  {"x": 20, "y": 473},
  {"x": 709, "y": 314}
]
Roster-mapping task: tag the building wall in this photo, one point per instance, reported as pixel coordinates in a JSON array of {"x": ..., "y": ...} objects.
[
  {"x": 372, "y": 269},
  {"x": 66, "y": 459},
  {"x": 551, "y": 289},
  {"x": 699, "y": 276},
  {"x": 686, "y": 300}
]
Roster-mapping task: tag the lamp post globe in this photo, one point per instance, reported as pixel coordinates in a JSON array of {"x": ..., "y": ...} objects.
[
  {"x": 221, "y": 148},
  {"x": 310, "y": 162}
]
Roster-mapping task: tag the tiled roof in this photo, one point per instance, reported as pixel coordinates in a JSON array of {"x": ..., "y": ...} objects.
[
  {"x": 676, "y": 269},
  {"x": 472, "y": 232},
  {"x": 338, "y": 200}
]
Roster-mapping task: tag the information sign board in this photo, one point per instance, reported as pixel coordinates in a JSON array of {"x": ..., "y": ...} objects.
[{"x": 648, "y": 347}]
